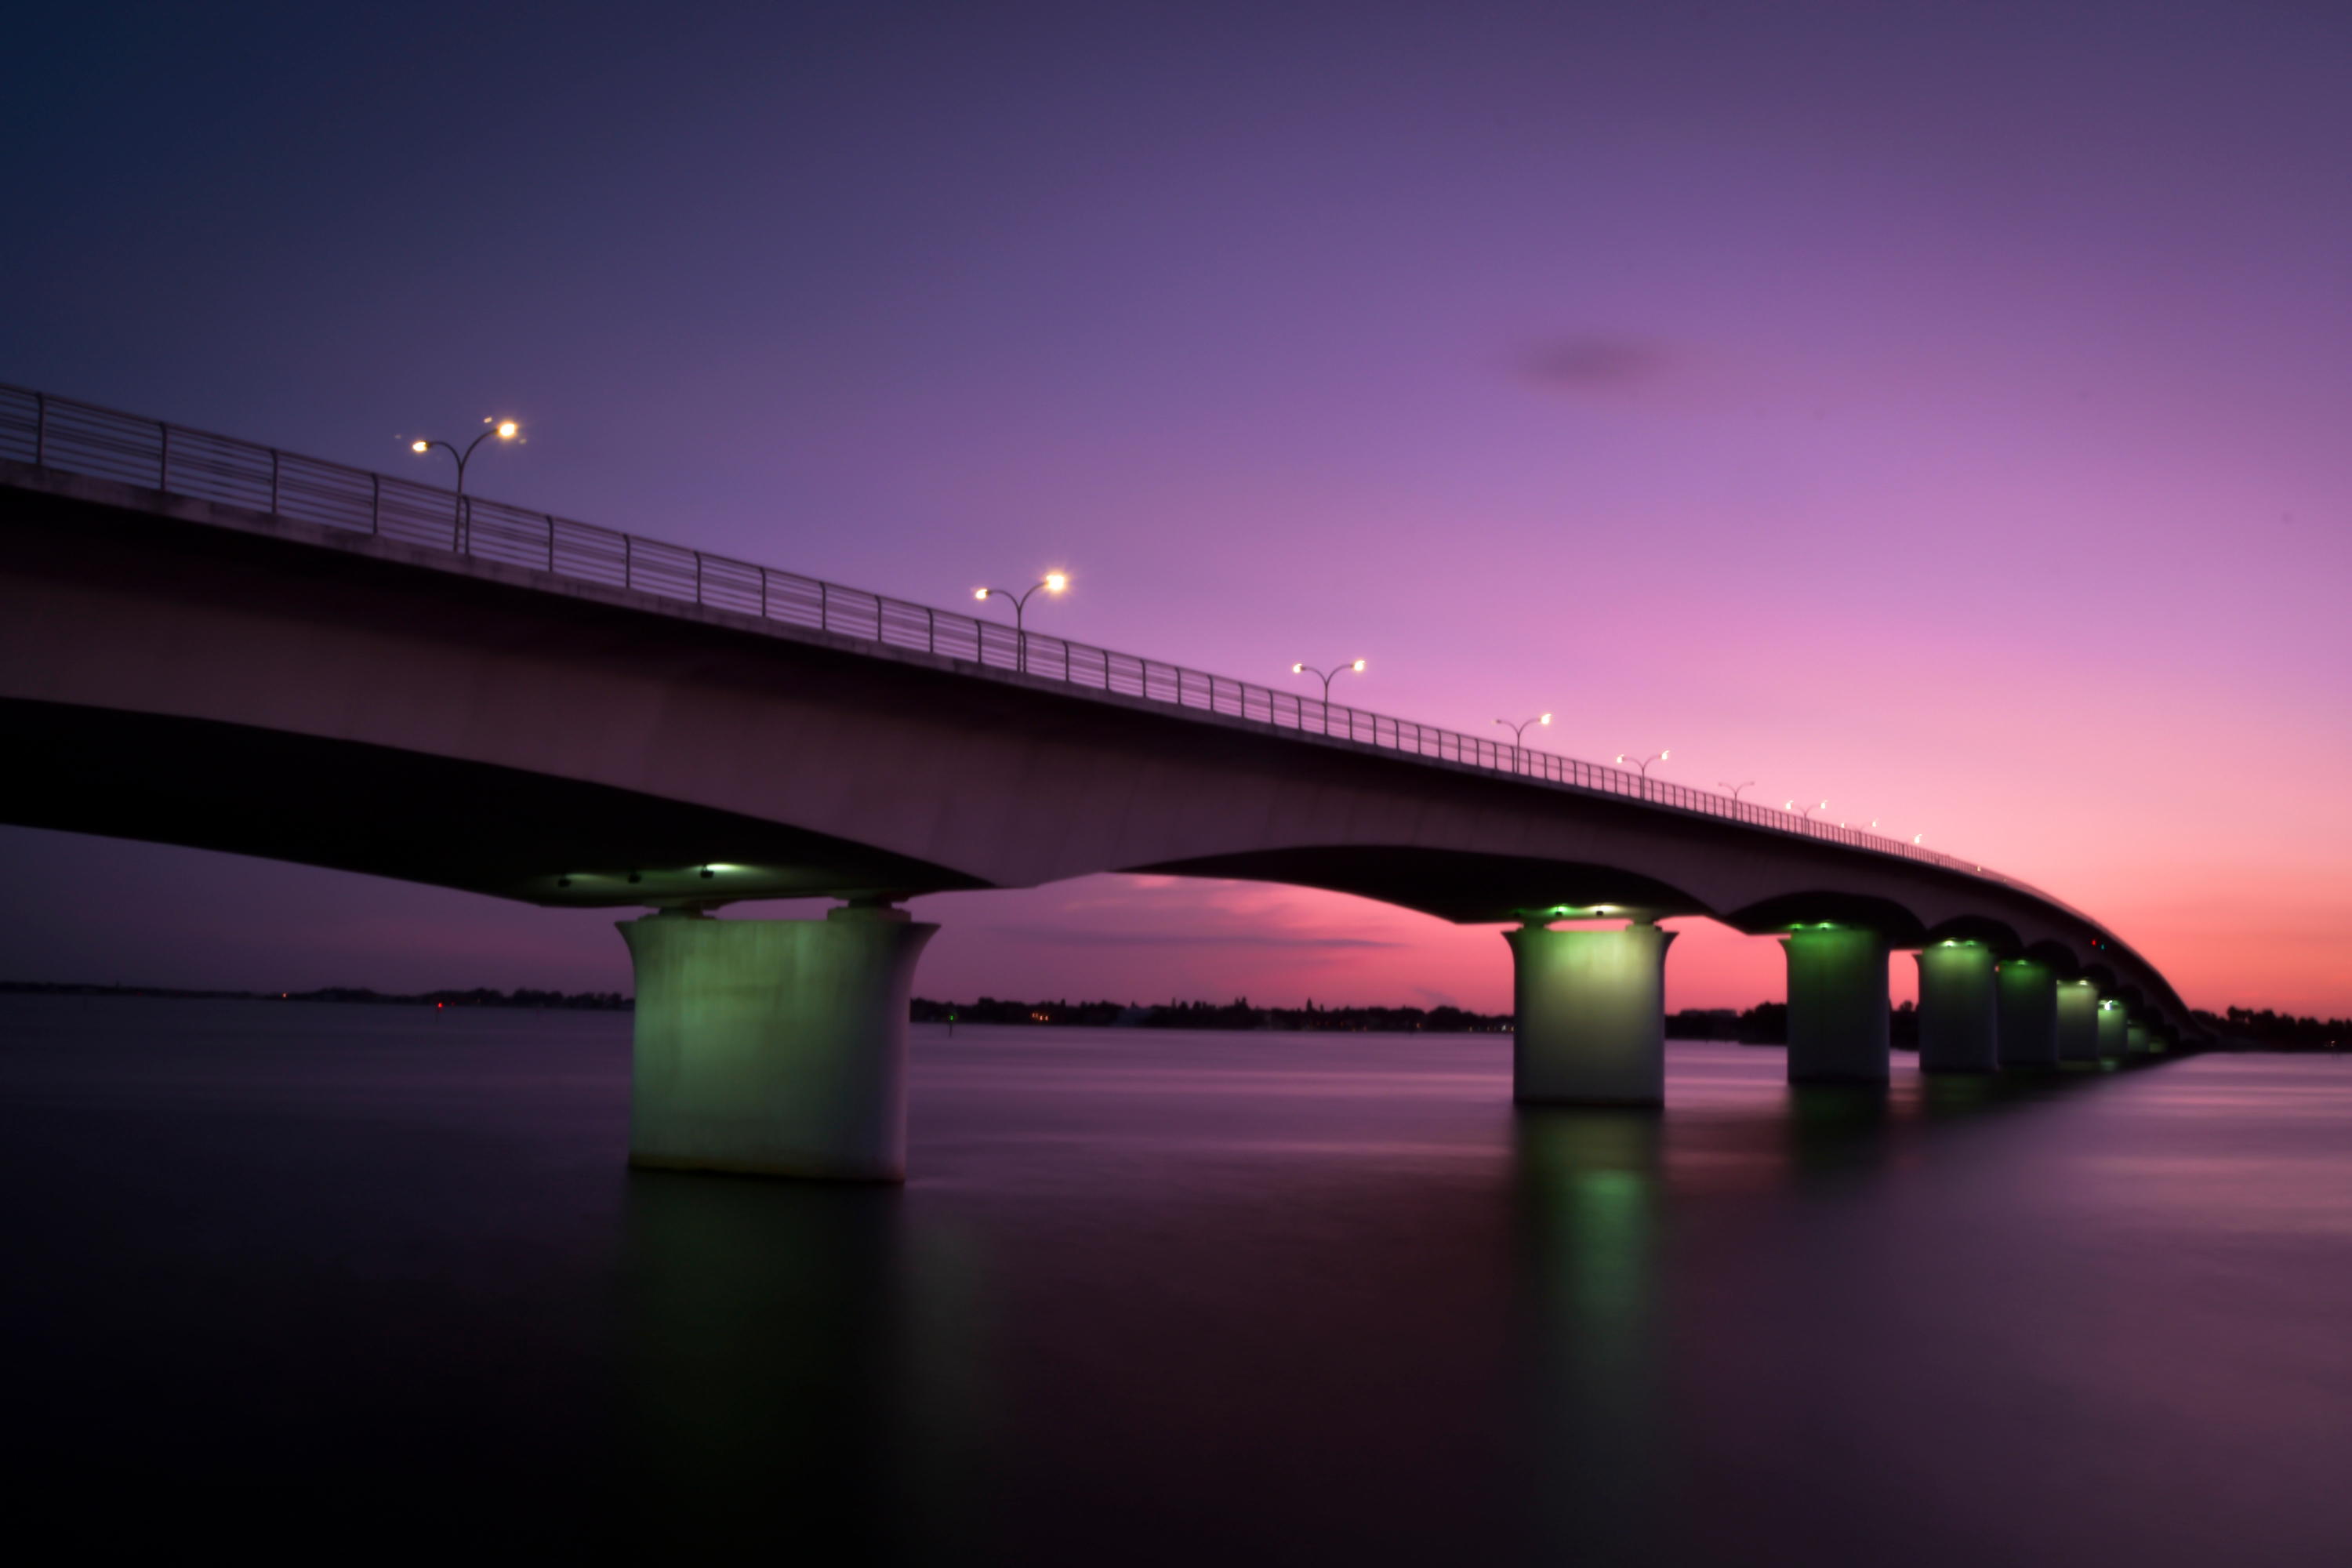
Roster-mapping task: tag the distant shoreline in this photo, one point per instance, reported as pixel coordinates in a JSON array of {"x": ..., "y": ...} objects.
[{"x": 1766, "y": 1024}]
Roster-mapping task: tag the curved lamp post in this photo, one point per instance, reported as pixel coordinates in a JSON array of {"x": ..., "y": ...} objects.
[
  {"x": 504, "y": 429},
  {"x": 1733, "y": 788},
  {"x": 1642, "y": 763},
  {"x": 1518, "y": 730},
  {"x": 1053, "y": 582},
  {"x": 1325, "y": 676},
  {"x": 1806, "y": 814}
]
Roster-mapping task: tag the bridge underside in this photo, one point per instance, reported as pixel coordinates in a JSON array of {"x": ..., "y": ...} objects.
[
  {"x": 544, "y": 839},
  {"x": 1487, "y": 890},
  {"x": 387, "y": 812},
  {"x": 1466, "y": 888}
]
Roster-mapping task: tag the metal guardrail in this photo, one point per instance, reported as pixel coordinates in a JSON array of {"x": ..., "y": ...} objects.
[{"x": 77, "y": 437}]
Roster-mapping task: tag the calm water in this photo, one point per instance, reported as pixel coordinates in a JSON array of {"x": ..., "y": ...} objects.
[{"x": 343, "y": 1275}]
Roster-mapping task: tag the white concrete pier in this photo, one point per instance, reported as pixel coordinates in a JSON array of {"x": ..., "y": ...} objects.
[
  {"x": 1592, "y": 1008},
  {"x": 2078, "y": 1022},
  {"x": 1959, "y": 1014},
  {"x": 2029, "y": 1014},
  {"x": 1837, "y": 1004},
  {"x": 773, "y": 1048}
]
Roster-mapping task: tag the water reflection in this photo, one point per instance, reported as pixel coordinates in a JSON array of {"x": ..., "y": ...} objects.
[
  {"x": 1844, "y": 1128},
  {"x": 792, "y": 1376},
  {"x": 1249, "y": 1299},
  {"x": 1590, "y": 1198}
]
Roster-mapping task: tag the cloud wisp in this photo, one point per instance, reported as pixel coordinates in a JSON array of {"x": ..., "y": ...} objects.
[{"x": 1594, "y": 364}]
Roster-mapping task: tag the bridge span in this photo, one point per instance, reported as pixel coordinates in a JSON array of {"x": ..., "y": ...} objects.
[{"x": 210, "y": 643}]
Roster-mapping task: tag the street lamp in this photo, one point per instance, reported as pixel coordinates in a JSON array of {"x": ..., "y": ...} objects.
[
  {"x": 1642, "y": 763},
  {"x": 1733, "y": 788},
  {"x": 1808, "y": 813},
  {"x": 1325, "y": 678},
  {"x": 504, "y": 429},
  {"x": 1519, "y": 731},
  {"x": 1053, "y": 582}
]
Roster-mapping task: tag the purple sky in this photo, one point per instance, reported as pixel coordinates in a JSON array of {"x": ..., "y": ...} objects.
[{"x": 1947, "y": 417}]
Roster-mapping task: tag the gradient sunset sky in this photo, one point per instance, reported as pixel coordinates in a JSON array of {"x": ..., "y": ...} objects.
[{"x": 1943, "y": 411}]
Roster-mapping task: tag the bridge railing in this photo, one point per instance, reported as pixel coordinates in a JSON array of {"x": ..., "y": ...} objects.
[{"x": 77, "y": 437}]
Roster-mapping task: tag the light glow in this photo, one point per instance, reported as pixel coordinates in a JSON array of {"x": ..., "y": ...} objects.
[{"x": 1056, "y": 581}]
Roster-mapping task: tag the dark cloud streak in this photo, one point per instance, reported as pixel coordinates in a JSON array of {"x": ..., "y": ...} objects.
[{"x": 1594, "y": 364}]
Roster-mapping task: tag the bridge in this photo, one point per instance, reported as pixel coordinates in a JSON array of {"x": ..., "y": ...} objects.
[{"x": 211, "y": 643}]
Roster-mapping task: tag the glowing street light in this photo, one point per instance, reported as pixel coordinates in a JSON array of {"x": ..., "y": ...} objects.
[
  {"x": 1808, "y": 813},
  {"x": 1642, "y": 763},
  {"x": 1326, "y": 676},
  {"x": 1052, "y": 582},
  {"x": 504, "y": 429},
  {"x": 1518, "y": 731}
]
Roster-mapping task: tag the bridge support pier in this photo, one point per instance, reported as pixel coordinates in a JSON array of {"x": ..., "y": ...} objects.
[
  {"x": 2115, "y": 1027},
  {"x": 2078, "y": 1022},
  {"x": 2135, "y": 1040},
  {"x": 1837, "y": 1004},
  {"x": 2029, "y": 1014},
  {"x": 773, "y": 1048},
  {"x": 1592, "y": 1008},
  {"x": 1957, "y": 1016}
]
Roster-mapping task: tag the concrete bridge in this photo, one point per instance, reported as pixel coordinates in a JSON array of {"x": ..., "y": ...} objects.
[{"x": 209, "y": 643}]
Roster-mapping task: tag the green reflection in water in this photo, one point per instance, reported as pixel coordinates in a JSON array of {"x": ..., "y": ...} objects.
[
  {"x": 801, "y": 1375},
  {"x": 1958, "y": 1094},
  {"x": 1590, "y": 1196},
  {"x": 1838, "y": 1126}
]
